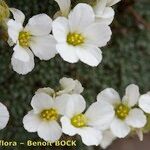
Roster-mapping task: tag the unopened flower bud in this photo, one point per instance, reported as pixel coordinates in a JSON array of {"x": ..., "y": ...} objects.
[{"x": 4, "y": 11}]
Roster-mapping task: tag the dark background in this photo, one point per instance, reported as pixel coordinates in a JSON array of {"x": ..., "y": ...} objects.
[{"x": 126, "y": 60}]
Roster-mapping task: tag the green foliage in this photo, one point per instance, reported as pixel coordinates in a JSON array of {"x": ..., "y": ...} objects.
[{"x": 126, "y": 59}]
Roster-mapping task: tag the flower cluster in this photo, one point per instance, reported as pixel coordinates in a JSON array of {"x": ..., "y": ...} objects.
[
  {"x": 77, "y": 34},
  {"x": 64, "y": 111}
]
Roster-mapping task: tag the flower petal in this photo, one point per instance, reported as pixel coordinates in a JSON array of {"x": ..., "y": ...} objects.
[
  {"x": 97, "y": 34},
  {"x": 119, "y": 128},
  {"x": 100, "y": 115},
  {"x": 108, "y": 13},
  {"x": 99, "y": 7},
  {"x": 64, "y": 6},
  {"x": 107, "y": 16},
  {"x": 90, "y": 136},
  {"x": 136, "y": 118},
  {"x": 75, "y": 105},
  {"x": 31, "y": 121},
  {"x": 50, "y": 131},
  {"x": 41, "y": 101},
  {"x": 109, "y": 95},
  {"x": 67, "y": 127},
  {"x": 46, "y": 90},
  {"x": 4, "y": 116},
  {"x": 39, "y": 25},
  {"x": 78, "y": 89},
  {"x": 67, "y": 52},
  {"x": 81, "y": 16},
  {"x": 112, "y": 2},
  {"x": 60, "y": 103},
  {"x": 23, "y": 67},
  {"x": 90, "y": 55},
  {"x": 132, "y": 95},
  {"x": 44, "y": 47},
  {"x": 18, "y": 15},
  {"x": 21, "y": 53},
  {"x": 139, "y": 133},
  {"x": 3, "y": 122},
  {"x": 13, "y": 29},
  {"x": 60, "y": 28},
  {"x": 70, "y": 86},
  {"x": 144, "y": 102},
  {"x": 107, "y": 139},
  {"x": 3, "y": 110},
  {"x": 67, "y": 85}
]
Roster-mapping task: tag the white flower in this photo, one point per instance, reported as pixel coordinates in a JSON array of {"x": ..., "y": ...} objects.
[
  {"x": 46, "y": 90},
  {"x": 112, "y": 2},
  {"x": 68, "y": 86},
  {"x": 89, "y": 124},
  {"x": 64, "y": 6},
  {"x": 144, "y": 102},
  {"x": 127, "y": 116},
  {"x": 44, "y": 117},
  {"x": 104, "y": 12},
  {"x": 79, "y": 36},
  {"x": 4, "y": 116},
  {"x": 107, "y": 139},
  {"x": 34, "y": 36}
]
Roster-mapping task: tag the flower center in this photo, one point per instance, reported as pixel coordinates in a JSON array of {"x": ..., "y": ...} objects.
[
  {"x": 79, "y": 121},
  {"x": 24, "y": 39},
  {"x": 122, "y": 111},
  {"x": 49, "y": 114},
  {"x": 75, "y": 39}
]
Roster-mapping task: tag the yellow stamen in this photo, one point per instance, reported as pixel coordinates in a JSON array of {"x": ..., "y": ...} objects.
[
  {"x": 24, "y": 39},
  {"x": 79, "y": 121},
  {"x": 122, "y": 111},
  {"x": 49, "y": 114},
  {"x": 75, "y": 39}
]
